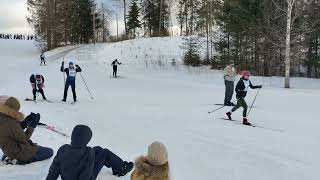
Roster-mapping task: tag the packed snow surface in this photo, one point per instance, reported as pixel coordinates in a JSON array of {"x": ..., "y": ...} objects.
[{"x": 155, "y": 100}]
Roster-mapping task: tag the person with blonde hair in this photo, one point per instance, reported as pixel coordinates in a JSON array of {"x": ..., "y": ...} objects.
[{"x": 154, "y": 166}]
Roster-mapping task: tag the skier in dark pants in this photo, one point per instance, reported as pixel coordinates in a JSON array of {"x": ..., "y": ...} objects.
[
  {"x": 77, "y": 161},
  {"x": 241, "y": 90},
  {"x": 37, "y": 83},
  {"x": 115, "y": 64},
  {"x": 229, "y": 78},
  {"x": 42, "y": 57},
  {"x": 71, "y": 72}
]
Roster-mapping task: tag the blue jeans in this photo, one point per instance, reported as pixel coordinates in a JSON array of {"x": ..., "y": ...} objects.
[{"x": 42, "y": 153}]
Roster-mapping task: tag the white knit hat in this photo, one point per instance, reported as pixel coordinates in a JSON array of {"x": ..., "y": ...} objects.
[{"x": 157, "y": 154}]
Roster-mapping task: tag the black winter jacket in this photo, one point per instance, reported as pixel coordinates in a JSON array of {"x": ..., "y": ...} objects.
[
  {"x": 75, "y": 161},
  {"x": 242, "y": 88}
]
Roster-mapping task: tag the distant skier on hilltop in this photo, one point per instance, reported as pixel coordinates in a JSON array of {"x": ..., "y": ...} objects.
[
  {"x": 115, "y": 64},
  {"x": 43, "y": 59}
]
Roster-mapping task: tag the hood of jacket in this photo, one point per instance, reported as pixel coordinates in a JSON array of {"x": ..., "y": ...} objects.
[
  {"x": 142, "y": 167},
  {"x": 81, "y": 136}
]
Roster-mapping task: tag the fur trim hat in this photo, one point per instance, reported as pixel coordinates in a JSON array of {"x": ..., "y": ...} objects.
[
  {"x": 157, "y": 154},
  {"x": 10, "y": 106}
]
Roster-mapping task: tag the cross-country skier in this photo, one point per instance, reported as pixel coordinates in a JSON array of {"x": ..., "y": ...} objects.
[
  {"x": 37, "y": 83},
  {"x": 78, "y": 161},
  {"x": 115, "y": 64},
  {"x": 43, "y": 59},
  {"x": 241, "y": 90},
  {"x": 71, "y": 72},
  {"x": 229, "y": 78}
]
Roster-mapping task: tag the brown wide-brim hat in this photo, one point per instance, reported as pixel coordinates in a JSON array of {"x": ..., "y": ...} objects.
[{"x": 10, "y": 106}]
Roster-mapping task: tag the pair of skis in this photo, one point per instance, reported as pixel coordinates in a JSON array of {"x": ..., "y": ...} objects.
[
  {"x": 28, "y": 99},
  {"x": 48, "y": 101}
]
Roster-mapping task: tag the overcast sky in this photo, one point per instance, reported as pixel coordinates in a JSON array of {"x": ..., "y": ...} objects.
[{"x": 13, "y": 16}]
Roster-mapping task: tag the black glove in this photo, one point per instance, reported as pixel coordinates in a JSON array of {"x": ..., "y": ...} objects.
[
  {"x": 35, "y": 118},
  {"x": 77, "y": 66},
  {"x": 260, "y": 86},
  {"x": 62, "y": 63},
  {"x": 24, "y": 124}
]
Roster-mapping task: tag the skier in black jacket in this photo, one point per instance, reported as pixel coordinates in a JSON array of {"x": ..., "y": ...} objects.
[
  {"x": 37, "y": 83},
  {"x": 115, "y": 64},
  {"x": 241, "y": 90},
  {"x": 71, "y": 72},
  {"x": 42, "y": 58}
]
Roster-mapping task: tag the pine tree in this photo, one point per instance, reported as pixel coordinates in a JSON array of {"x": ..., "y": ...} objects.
[
  {"x": 191, "y": 56},
  {"x": 133, "y": 18},
  {"x": 62, "y": 22},
  {"x": 155, "y": 14}
]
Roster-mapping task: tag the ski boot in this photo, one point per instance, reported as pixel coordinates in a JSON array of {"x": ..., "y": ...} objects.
[
  {"x": 229, "y": 115},
  {"x": 8, "y": 161},
  {"x": 127, "y": 167},
  {"x": 246, "y": 122}
]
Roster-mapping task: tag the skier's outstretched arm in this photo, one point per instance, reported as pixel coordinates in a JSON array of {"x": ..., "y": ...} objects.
[
  {"x": 62, "y": 67},
  {"x": 255, "y": 87},
  {"x": 78, "y": 68},
  {"x": 54, "y": 170}
]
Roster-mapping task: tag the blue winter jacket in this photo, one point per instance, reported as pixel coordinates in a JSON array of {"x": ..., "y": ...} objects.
[{"x": 75, "y": 161}]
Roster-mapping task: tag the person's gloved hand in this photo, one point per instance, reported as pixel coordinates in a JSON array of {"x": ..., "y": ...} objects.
[
  {"x": 27, "y": 120},
  {"x": 77, "y": 65},
  {"x": 35, "y": 118},
  {"x": 62, "y": 63},
  {"x": 260, "y": 86}
]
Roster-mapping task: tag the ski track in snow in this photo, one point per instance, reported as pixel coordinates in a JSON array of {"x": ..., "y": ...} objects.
[{"x": 158, "y": 101}]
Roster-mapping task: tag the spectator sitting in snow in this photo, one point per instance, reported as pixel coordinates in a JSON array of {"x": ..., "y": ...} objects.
[
  {"x": 14, "y": 142},
  {"x": 153, "y": 167},
  {"x": 77, "y": 161}
]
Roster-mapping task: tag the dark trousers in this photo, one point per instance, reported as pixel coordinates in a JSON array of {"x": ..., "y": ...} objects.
[
  {"x": 241, "y": 103},
  {"x": 43, "y": 61},
  {"x": 42, "y": 153},
  {"x": 115, "y": 69},
  {"x": 229, "y": 91},
  {"x": 71, "y": 83},
  {"x": 34, "y": 92},
  {"x": 104, "y": 157}
]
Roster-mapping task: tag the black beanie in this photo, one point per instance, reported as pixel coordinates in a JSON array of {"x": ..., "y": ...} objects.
[{"x": 81, "y": 136}]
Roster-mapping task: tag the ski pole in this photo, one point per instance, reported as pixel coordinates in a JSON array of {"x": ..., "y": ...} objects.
[
  {"x": 64, "y": 76},
  {"x": 86, "y": 86},
  {"x": 219, "y": 108},
  {"x": 253, "y": 101}
]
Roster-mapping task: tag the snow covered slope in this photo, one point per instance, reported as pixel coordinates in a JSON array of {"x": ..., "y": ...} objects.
[{"x": 154, "y": 100}]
